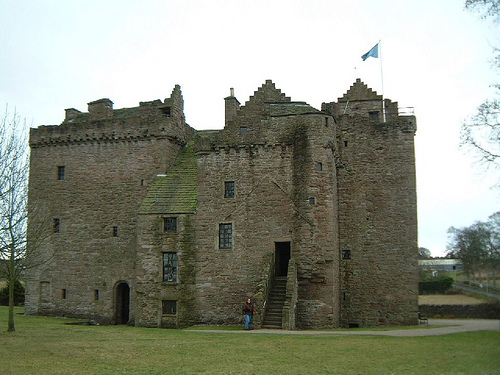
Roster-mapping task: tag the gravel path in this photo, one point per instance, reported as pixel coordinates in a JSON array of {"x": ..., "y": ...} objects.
[{"x": 443, "y": 327}]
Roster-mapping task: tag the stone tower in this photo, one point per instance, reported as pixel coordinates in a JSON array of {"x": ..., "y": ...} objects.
[
  {"x": 91, "y": 173},
  {"x": 377, "y": 209}
]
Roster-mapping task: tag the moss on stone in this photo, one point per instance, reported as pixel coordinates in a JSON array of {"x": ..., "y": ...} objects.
[{"x": 176, "y": 191}]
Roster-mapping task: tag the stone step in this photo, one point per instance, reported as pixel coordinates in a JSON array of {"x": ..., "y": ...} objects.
[
  {"x": 279, "y": 298},
  {"x": 274, "y": 308}
]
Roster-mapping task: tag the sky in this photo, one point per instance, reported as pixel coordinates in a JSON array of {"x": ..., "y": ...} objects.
[{"x": 435, "y": 57}]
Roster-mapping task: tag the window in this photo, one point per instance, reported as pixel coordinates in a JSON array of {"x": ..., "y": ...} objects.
[
  {"x": 312, "y": 200},
  {"x": 225, "y": 236},
  {"x": 373, "y": 115},
  {"x": 169, "y": 307},
  {"x": 319, "y": 166},
  {"x": 170, "y": 267},
  {"x": 64, "y": 293},
  {"x": 115, "y": 231},
  {"x": 170, "y": 224},
  {"x": 57, "y": 225},
  {"x": 166, "y": 111},
  {"x": 243, "y": 130},
  {"x": 229, "y": 189},
  {"x": 346, "y": 254},
  {"x": 61, "y": 172},
  {"x": 96, "y": 294},
  {"x": 326, "y": 121}
]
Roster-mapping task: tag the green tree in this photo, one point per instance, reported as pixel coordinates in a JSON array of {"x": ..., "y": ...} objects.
[
  {"x": 478, "y": 246},
  {"x": 424, "y": 253},
  {"x": 493, "y": 250},
  {"x": 469, "y": 245},
  {"x": 18, "y": 294}
]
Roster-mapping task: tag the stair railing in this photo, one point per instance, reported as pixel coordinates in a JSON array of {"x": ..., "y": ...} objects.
[{"x": 290, "y": 305}]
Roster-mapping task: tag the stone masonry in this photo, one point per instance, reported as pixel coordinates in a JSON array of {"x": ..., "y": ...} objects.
[{"x": 155, "y": 224}]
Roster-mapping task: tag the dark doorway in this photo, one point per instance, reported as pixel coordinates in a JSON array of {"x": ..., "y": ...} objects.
[
  {"x": 281, "y": 258},
  {"x": 122, "y": 303}
]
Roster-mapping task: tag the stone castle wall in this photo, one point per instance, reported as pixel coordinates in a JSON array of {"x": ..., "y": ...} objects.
[
  {"x": 338, "y": 185},
  {"x": 109, "y": 162},
  {"x": 274, "y": 185}
]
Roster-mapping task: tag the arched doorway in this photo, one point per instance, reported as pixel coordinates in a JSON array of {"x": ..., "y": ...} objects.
[{"x": 122, "y": 303}]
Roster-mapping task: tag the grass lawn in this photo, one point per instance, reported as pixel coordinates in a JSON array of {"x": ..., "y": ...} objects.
[{"x": 44, "y": 345}]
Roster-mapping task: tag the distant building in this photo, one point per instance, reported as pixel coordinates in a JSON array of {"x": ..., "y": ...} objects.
[
  {"x": 310, "y": 212},
  {"x": 448, "y": 265}
]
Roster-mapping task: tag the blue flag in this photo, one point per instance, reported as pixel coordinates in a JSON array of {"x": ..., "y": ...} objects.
[{"x": 371, "y": 53}]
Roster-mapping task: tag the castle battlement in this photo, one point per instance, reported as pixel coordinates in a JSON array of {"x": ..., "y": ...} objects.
[{"x": 102, "y": 123}]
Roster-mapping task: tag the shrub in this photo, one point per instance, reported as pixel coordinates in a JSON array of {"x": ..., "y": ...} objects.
[
  {"x": 436, "y": 286},
  {"x": 18, "y": 294}
]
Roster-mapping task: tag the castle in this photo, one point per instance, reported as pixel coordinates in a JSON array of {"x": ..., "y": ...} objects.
[{"x": 312, "y": 213}]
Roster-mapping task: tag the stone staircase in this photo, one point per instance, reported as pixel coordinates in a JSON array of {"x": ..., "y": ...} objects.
[{"x": 274, "y": 306}]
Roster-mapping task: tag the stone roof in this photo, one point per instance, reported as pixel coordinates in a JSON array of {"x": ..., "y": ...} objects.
[
  {"x": 176, "y": 191},
  {"x": 291, "y": 108}
]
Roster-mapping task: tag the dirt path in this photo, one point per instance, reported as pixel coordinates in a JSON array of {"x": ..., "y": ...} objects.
[{"x": 442, "y": 327}]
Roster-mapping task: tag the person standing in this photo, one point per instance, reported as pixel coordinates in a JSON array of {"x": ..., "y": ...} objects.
[{"x": 248, "y": 311}]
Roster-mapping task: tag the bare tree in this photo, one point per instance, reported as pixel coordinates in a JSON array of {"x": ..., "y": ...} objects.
[
  {"x": 487, "y": 8},
  {"x": 13, "y": 198},
  {"x": 481, "y": 133},
  {"x": 20, "y": 244}
]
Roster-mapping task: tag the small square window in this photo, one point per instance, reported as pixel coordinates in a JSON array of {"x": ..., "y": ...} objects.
[
  {"x": 169, "y": 307},
  {"x": 229, "y": 189},
  {"x": 373, "y": 115},
  {"x": 346, "y": 254},
  {"x": 225, "y": 236},
  {"x": 170, "y": 224},
  {"x": 243, "y": 130},
  {"x": 166, "y": 111},
  {"x": 57, "y": 225},
  {"x": 312, "y": 200},
  {"x": 61, "y": 172},
  {"x": 319, "y": 166}
]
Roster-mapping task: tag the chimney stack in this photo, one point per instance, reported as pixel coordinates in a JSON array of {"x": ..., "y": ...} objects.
[{"x": 232, "y": 106}]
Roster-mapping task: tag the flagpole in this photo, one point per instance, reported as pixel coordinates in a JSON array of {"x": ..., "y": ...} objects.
[{"x": 381, "y": 78}]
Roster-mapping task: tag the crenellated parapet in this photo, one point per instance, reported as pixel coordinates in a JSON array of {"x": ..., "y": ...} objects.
[
  {"x": 103, "y": 124},
  {"x": 362, "y": 102}
]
